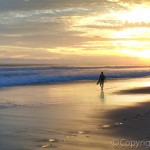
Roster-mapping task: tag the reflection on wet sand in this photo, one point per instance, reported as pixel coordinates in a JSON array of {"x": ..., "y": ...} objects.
[{"x": 102, "y": 96}]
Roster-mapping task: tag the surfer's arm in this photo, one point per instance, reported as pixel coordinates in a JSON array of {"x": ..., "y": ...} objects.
[{"x": 98, "y": 80}]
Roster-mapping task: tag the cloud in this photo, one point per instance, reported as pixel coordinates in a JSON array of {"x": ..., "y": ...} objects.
[
  {"x": 28, "y": 28},
  {"x": 118, "y": 25},
  {"x": 48, "y": 21},
  {"x": 17, "y": 5},
  {"x": 76, "y": 60},
  {"x": 135, "y": 1}
]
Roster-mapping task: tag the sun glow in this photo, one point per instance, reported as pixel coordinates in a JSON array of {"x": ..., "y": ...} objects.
[
  {"x": 135, "y": 15},
  {"x": 140, "y": 53},
  {"x": 138, "y": 32}
]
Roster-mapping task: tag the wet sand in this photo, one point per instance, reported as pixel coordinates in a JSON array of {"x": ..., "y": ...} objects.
[{"x": 76, "y": 116}]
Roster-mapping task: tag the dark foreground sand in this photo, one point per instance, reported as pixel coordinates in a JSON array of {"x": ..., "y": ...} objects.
[
  {"x": 135, "y": 130},
  {"x": 75, "y": 116}
]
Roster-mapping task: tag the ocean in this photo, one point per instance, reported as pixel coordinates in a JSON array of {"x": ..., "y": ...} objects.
[{"x": 28, "y": 75}]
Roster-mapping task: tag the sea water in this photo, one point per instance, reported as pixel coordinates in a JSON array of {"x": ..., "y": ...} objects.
[{"x": 28, "y": 75}]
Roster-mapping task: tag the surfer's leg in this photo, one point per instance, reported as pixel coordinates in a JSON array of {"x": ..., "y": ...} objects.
[{"x": 101, "y": 84}]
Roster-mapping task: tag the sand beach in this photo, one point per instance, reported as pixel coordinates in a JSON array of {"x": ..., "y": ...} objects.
[{"x": 76, "y": 116}]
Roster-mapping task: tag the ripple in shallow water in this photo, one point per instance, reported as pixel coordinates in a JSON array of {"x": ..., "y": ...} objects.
[
  {"x": 52, "y": 140},
  {"x": 46, "y": 146},
  {"x": 70, "y": 136},
  {"x": 106, "y": 126}
]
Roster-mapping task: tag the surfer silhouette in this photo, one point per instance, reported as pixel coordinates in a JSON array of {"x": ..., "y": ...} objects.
[{"x": 101, "y": 80}]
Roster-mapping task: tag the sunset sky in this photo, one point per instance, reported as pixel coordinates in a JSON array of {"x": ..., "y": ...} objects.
[{"x": 75, "y": 32}]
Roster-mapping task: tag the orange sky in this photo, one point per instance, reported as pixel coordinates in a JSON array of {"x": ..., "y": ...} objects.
[{"x": 93, "y": 32}]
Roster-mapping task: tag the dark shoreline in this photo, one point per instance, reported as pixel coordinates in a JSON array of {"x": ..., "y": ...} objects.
[{"x": 141, "y": 90}]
